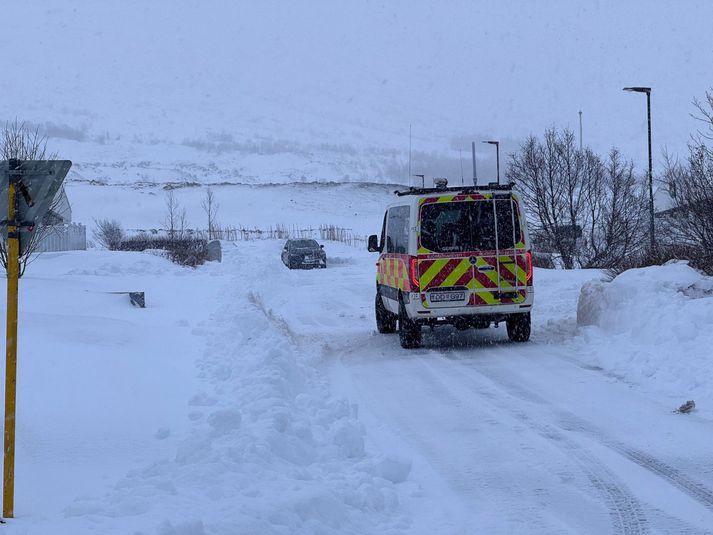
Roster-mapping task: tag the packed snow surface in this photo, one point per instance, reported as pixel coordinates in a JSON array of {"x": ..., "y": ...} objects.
[{"x": 248, "y": 398}]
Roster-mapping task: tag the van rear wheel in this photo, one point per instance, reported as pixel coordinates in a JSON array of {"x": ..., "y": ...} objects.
[
  {"x": 385, "y": 320},
  {"x": 409, "y": 330},
  {"x": 519, "y": 327}
]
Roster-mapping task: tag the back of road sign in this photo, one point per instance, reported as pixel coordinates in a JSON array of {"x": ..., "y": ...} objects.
[{"x": 38, "y": 183}]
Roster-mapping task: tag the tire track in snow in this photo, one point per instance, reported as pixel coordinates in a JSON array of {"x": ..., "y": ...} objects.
[
  {"x": 625, "y": 511},
  {"x": 572, "y": 422}
]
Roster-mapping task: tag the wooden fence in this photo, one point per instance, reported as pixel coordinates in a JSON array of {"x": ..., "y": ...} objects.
[{"x": 277, "y": 232}]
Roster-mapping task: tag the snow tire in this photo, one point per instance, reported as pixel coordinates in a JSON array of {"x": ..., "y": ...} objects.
[
  {"x": 519, "y": 327},
  {"x": 385, "y": 320},
  {"x": 409, "y": 330}
]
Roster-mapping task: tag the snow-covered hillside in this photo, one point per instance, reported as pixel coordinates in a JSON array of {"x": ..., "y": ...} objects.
[
  {"x": 282, "y": 92},
  {"x": 357, "y": 207}
]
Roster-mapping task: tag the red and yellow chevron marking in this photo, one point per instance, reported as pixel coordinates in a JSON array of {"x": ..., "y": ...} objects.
[
  {"x": 488, "y": 298},
  {"x": 445, "y": 272},
  {"x": 440, "y": 272},
  {"x": 392, "y": 270},
  {"x": 453, "y": 272}
]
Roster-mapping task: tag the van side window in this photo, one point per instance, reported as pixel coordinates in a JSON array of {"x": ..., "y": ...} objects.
[
  {"x": 397, "y": 226},
  {"x": 382, "y": 242}
]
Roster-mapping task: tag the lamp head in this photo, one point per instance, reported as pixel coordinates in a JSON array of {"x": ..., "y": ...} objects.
[{"x": 638, "y": 89}]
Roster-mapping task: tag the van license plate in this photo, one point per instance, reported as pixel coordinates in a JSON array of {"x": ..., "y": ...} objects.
[{"x": 443, "y": 297}]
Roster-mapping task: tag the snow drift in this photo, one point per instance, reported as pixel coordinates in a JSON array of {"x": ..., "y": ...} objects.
[{"x": 657, "y": 326}]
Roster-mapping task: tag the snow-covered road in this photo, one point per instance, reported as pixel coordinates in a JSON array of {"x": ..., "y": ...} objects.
[{"x": 506, "y": 438}]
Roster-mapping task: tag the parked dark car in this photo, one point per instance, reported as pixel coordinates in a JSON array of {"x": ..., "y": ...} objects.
[{"x": 304, "y": 254}]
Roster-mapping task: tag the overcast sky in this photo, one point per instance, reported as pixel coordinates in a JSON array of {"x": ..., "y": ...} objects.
[{"x": 359, "y": 72}]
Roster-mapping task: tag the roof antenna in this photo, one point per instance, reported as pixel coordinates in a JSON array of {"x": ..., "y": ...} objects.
[
  {"x": 462, "y": 181},
  {"x": 475, "y": 171},
  {"x": 409, "y": 155}
]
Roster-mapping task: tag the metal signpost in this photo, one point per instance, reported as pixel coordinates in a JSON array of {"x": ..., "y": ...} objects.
[{"x": 28, "y": 187}]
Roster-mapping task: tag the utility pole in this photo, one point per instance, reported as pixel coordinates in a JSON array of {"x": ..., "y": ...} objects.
[
  {"x": 580, "y": 129},
  {"x": 13, "y": 277}
]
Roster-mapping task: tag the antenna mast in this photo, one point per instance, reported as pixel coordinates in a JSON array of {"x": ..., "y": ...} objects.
[
  {"x": 462, "y": 182},
  {"x": 475, "y": 171},
  {"x": 409, "y": 154}
]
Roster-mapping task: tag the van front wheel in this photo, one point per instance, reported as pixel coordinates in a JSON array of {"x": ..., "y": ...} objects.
[
  {"x": 519, "y": 327},
  {"x": 409, "y": 330}
]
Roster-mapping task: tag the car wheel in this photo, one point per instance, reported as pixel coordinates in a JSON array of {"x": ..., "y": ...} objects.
[
  {"x": 409, "y": 330},
  {"x": 519, "y": 327},
  {"x": 385, "y": 320}
]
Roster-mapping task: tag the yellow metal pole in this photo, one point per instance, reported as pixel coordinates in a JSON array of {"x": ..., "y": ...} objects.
[{"x": 13, "y": 275}]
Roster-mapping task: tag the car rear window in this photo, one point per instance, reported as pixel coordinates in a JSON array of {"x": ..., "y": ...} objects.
[
  {"x": 466, "y": 226},
  {"x": 304, "y": 244}
]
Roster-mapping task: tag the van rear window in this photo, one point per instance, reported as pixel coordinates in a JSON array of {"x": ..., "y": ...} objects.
[{"x": 466, "y": 226}]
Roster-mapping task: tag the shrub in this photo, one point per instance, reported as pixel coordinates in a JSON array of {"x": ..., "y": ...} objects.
[
  {"x": 698, "y": 258},
  {"x": 185, "y": 251},
  {"x": 108, "y": 233}
]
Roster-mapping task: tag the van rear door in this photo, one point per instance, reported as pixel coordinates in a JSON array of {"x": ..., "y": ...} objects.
[
  {"x": 464, "y": 253},
  {"x": 500, "y": 274}
]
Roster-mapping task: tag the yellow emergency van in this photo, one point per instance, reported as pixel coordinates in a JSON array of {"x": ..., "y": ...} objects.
[{"x": 458, "y": 256}]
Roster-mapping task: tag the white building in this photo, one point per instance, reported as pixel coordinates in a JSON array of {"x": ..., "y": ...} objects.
[{"x": 60, "y": 232}]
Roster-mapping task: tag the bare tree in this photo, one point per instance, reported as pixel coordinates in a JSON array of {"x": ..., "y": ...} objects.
[
  {"x": 555, "y": 178},
  {"x": 616, "y": 204},
  {"x": 19, "y": 141},
  {"x": 175, "y": 219},
  {"x": 182, "y": 223},
  {"x": 586, "y": 211},
  {"x": 705, "y": 113},
  {"x": 210, "y": 207},
  {"x": 170, "y": 220},
  {"x": 690, "y": 221}
]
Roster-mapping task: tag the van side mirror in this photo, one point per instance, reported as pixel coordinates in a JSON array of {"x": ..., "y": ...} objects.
[
  {"x": 374, "y": 244},
  {"x": 321, "y": 246}
]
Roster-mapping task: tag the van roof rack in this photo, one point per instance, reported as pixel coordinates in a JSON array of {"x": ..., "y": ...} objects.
[{"x": 492, "y": 186}]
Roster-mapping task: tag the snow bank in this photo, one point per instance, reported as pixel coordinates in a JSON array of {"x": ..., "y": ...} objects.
[
  {"x": 657, "y": 327},
  {"x": 270, "y": 449}
]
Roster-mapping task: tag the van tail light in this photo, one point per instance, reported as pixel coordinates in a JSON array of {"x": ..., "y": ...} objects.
[
  {"x": 413, "y": 274},
  {"x": 529, "y": 268}
]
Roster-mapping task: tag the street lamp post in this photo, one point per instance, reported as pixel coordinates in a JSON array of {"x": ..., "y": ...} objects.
[
  {"x": 497, "y": 156},
  {"x": 647, "y": 90}
]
